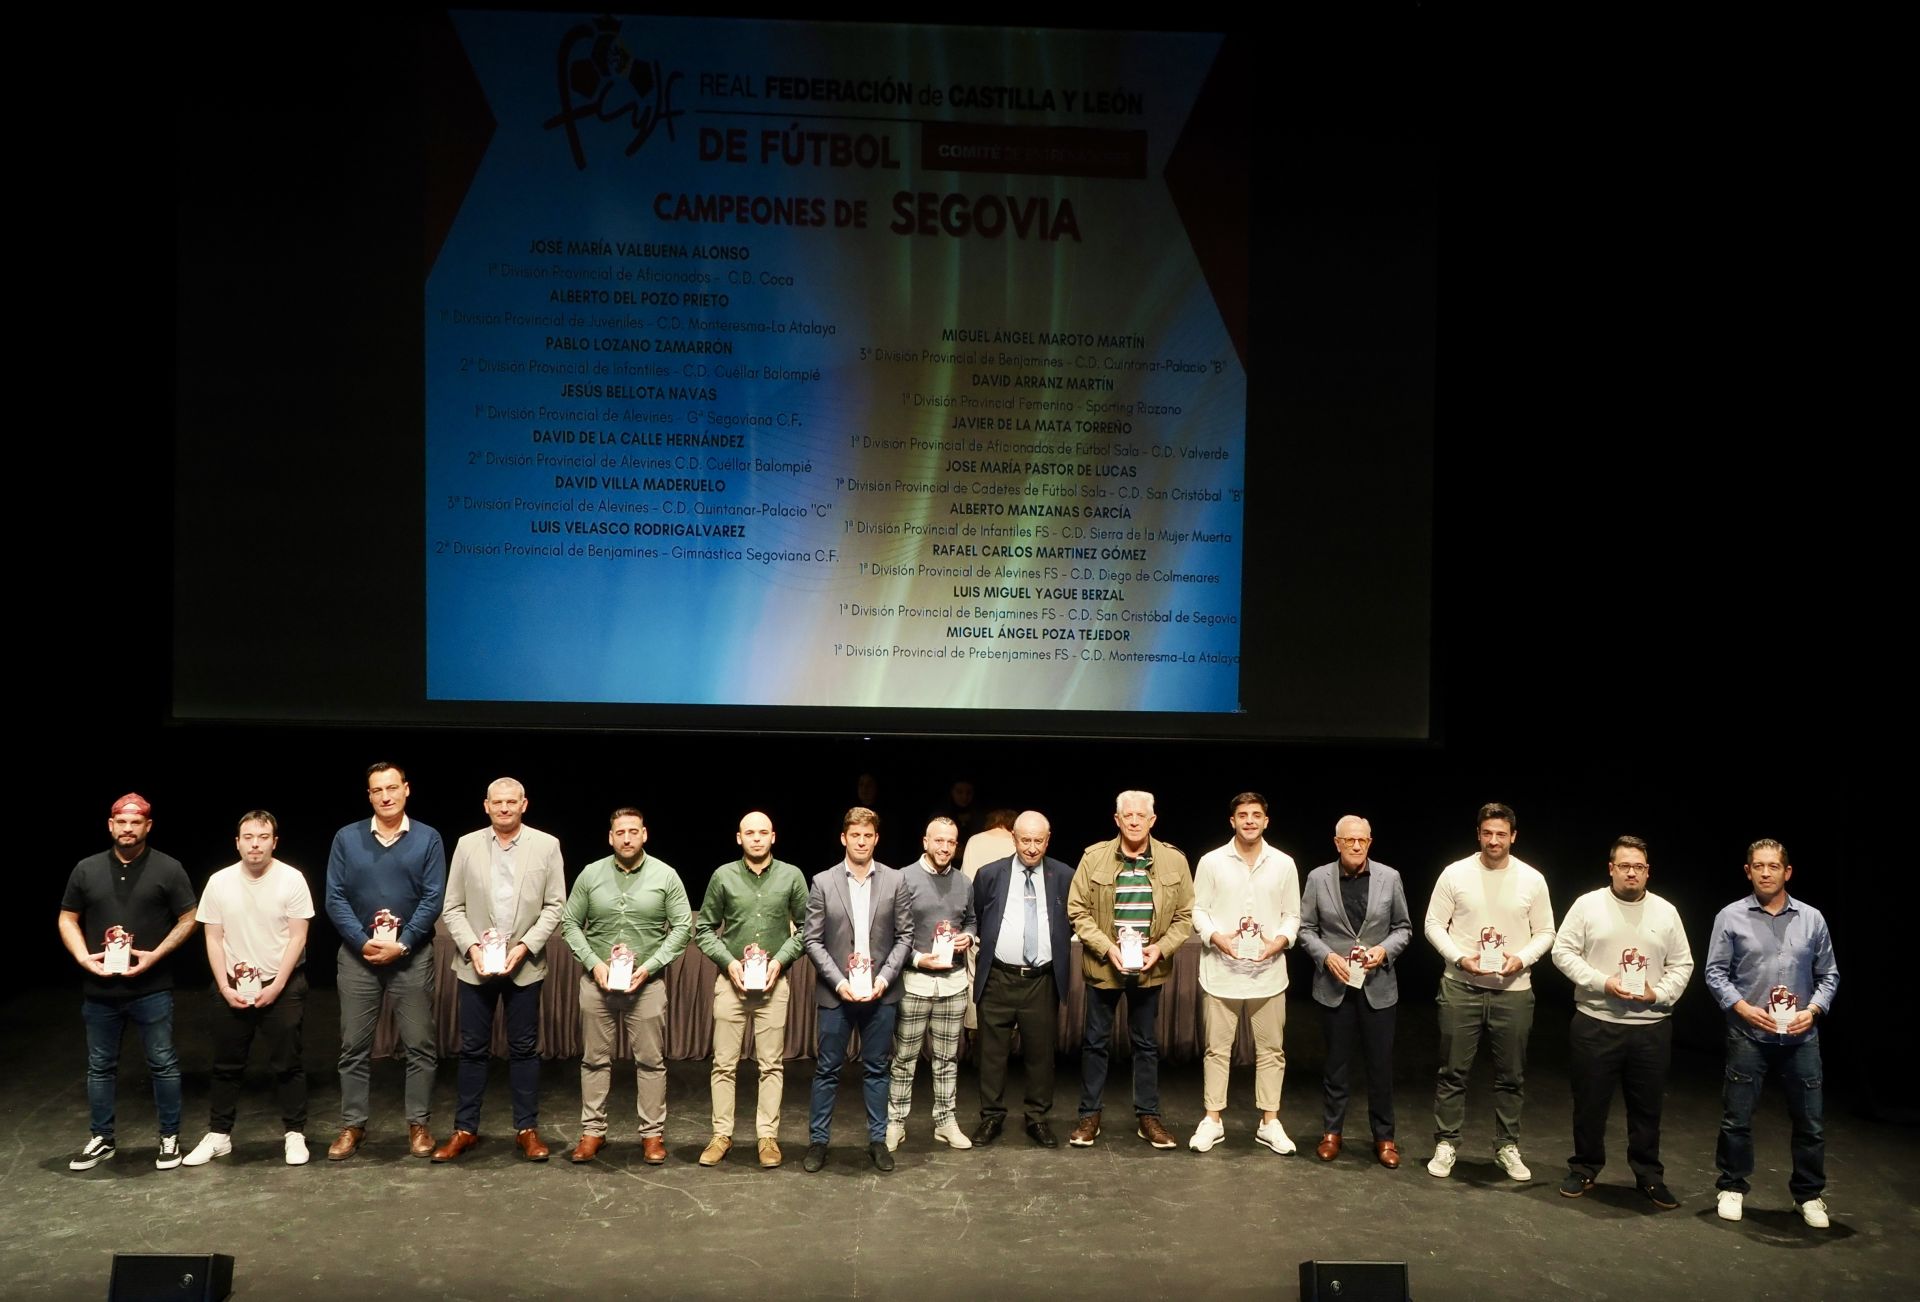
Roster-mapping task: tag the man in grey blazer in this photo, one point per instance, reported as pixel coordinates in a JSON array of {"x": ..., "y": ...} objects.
[
  {"x": 507, "y": 879},
  {"x": 1356, "y": 903},
  {"x": 857, "y": 907}
]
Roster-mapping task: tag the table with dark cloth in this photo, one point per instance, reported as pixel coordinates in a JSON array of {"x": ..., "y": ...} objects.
[{"x": 690, "y": 1010}]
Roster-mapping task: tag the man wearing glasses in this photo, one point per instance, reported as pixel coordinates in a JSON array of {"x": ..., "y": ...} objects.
[{"x": 1021, "y": 903}]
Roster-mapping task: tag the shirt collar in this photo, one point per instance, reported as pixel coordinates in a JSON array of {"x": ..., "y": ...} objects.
[
  {"x": 927, "y": 864},
  {"x": 1361, "y": 871},
  {"x": 406, "y": 825},
  {"x": 871, "y": 866},
  {"x": 629, "y": 872},
  {"x": 1753, "y": 902}
]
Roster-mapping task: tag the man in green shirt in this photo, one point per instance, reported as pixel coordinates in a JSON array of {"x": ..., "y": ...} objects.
[
  {"x": 761, "y": 901},
  {"x": 628, "y": 898}
]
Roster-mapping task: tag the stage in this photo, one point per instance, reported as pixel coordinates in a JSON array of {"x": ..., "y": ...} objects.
[{"x": 1118, "y": 1220}]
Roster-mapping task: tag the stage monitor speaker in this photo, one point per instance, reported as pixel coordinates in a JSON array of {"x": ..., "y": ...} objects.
[
  {"x": 170, "y": 1277},
  {"x": 1354, "y": 1281}
]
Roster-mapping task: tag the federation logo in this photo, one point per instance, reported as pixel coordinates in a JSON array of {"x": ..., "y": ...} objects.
[{"x": 601, "y": 79}]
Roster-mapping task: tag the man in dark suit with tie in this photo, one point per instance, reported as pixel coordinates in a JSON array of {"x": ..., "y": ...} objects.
[
  {"x": 1021, "y": 903},
  {"x": 856, "y": 908},
  {"x": 1352, "y": 903}
]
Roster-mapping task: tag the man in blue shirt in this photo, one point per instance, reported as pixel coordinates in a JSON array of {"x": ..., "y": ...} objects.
[
  {"x": 386, "y": 878},
  {"x": 1770, "y": 967}
]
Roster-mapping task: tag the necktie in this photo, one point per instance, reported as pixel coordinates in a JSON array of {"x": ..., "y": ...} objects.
[{"x": 1030, "y": 947}]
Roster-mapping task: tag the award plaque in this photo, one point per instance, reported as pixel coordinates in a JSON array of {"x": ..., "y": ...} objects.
[
  {"x": 619, "y": 968},
  {"x": 1633, "y": 971},
  {"x": 1493, "y": 951},
  {"x": 753, "y": 967},
  {"x": 246, "y": 981},
  {"x": 942, "y": 951},
  {"x": 1357, "y": 966},
  {"x": 1784, "y": 1005},
  {"x": 1132, "y": 949},
  {"x": 493, "y": 952},
  {"x": 117, "y": 953},
  {"x": 386, "y": 927},
  {"x": 1249, "y": 943},
  {"x": 860, "y": 976}
]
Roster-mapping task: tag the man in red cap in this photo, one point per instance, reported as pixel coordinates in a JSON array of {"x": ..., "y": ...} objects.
[{"x": 124, "y": 913}]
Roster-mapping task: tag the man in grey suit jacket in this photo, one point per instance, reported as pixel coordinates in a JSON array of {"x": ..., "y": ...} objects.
[
  {"x": 1353, "y": 904},
  {"x": 856, "y": 908},
  {"x": 507, "y": 879}
]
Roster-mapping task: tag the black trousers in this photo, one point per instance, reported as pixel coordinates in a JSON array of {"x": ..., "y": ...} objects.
[
  {"x": 1032, "y": 1004},
  {"x": 279, "y": 1025},
  {"x": 1600, "y": 1056},
  {"x": 1358, "y": 1023}
]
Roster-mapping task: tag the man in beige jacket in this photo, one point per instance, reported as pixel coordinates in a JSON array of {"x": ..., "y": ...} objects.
[{"x": 1127, "y": 891}]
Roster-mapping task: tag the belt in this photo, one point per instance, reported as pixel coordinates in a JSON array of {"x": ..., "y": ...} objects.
[{"x": 1021, "y": 969}]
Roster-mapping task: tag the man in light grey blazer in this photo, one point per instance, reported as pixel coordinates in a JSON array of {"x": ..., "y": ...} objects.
[
  {"x": 857, "y": 907},
  {"x": 1354, "y": 904},
  {"x": 505, "y": 879}
]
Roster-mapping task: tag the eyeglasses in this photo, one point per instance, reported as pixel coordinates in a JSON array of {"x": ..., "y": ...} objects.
[{"x": 1352, "y": 840}]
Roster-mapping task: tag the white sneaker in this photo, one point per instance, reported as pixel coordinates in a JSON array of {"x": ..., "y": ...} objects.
[
  {"x": 1206, "y": 1135},
  {"x": 1441, "y": 1163},
  {"x": 296, "y": 1148},
  {"x": 1814, "y": 1212},
  {"x": 1274, "y": 1136},
  {"x": 1507, "y": 1157},
  {"x": 169, "y": 1155},
  {"x": 949, "y": 1133},
  {"x": 212, "y": 1146},
  {"x": 1730, "y": 1204},
  {"x": 896, "y": 1131}
]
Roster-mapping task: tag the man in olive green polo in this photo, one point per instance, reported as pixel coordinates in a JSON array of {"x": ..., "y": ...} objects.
[
  {"x": 761, "y": 901},
  {"x": 633, "y": 899}
]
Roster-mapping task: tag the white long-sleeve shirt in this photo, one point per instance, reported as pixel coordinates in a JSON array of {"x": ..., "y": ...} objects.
[
  {"x": 1593, "y": 939},
  {"x": 1512, "y": 900},
  {"x": 1225, "y": 890}
]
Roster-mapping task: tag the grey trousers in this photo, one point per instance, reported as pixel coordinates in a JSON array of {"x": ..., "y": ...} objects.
[
  {"x": 409, "y": 984},
  {"x": 1503, "y": 1018}
]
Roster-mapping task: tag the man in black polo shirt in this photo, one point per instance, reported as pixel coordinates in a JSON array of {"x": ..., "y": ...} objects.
[{"x": 145, "y": 899}]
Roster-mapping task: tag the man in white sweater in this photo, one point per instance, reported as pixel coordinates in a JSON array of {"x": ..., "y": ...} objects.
[
  {"x": 1491, "y": 921},
  {"x": 1626, "y": 953}
]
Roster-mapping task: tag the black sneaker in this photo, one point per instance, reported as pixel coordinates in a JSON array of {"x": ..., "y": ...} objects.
[
  {"x": 169, "y": 1155},
  {"x": 882, "y": 1159},
  {"x": 816, "y": 1157},
  {"x": 1660, "y": 1196},
  {"x": 1575, "y": 1185},
  {"x": 98, "y": 1149}
]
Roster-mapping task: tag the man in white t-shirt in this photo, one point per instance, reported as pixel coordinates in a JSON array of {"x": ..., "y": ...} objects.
[
  {"x": 1491, "y": 921},
  {"x": 255, "y": 914},
  {"x": 1627, "y": 955}
]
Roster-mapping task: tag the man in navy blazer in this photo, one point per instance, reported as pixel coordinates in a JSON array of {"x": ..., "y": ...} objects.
[
  {"x": 1021, "y": 903},
  {"x": 857, "y": 907},
  {"x": 1352, "y": 903}
]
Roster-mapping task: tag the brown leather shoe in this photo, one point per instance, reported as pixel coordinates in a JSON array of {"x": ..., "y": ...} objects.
[
  {"x": 343, "y": 1148},
  {"x": 653, "y": 1150},
  {"x": 1085, "y": 1131},
  {"x": 1328, "y": 1147},
  {"x": 1389, "y": 1154},
  {"x": 770, "y": 1153},
  {"x": 457, "y": 1143},
  {"x": 716, "y": 1150},
  {"x": 587, "y": 1149},
  {"x": 534, "y": 1147},
  {"x": 1154, "y": 1132},
  {"x": 419, "y": 1140}
]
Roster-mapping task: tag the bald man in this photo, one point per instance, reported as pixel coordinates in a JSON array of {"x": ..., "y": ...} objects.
[{"x": 1021, "y": 905}]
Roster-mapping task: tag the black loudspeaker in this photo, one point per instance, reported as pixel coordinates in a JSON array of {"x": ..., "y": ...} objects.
[
  {"x": 1354, "y": 1281},
  {"x": 172, "y": 1277}
]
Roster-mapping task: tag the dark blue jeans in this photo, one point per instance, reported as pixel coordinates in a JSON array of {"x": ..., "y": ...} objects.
[
  {"x": 1798, "y": 1067},
  {"x": 106, "y": 1021},
  {"x": 1143, "y": 1016},
  {"x": 875, "y": 1022},
  {"x": 477, "y": 1003}
]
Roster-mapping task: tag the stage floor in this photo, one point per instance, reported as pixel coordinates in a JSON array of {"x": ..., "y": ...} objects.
[{"x": 1119, "y": 1220}]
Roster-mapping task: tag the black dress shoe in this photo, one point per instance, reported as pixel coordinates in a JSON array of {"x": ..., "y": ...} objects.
[
  {"x": 989, "y": 1129},
  {"x": 816, "y": 1157},
  {"x": 1042, "y": 1134},
  {"x": 882, "y": 1159}
]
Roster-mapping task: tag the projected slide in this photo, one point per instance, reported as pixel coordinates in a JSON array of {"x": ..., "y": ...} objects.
[{"x": 834, "y": 365}]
